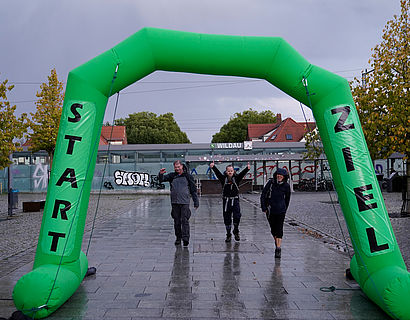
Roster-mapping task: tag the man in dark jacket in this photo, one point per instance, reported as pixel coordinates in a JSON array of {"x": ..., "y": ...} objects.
[
  {"x": 275, "y": 199},
  {"x": 182, "y": 187},
  {"x": 230, "y": 195}
]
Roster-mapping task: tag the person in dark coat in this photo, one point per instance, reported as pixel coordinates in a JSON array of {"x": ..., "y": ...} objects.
[
  {"x": 182, "y": 188},
  {"x": 275, "y": 200},
  {"x": 230, "y": 194}
]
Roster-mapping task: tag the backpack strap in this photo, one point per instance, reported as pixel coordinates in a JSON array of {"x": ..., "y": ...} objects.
[
  {"x": 269, "y": 193},
  {"x": 223, "y": 187},
  {"x": 233, "y": 182}
]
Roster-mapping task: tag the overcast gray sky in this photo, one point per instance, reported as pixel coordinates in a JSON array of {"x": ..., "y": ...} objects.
[{"x": 39, "y": 35}]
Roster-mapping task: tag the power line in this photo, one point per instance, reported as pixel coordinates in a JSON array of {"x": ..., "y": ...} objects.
[
  {"x": 179, "y": 81},
  {"x": 26, "y": 101},
  {"x": 217, "y": 83},
  {"x": 145, "y": 82},
  {"x": 196, "y": 129},
  {"x": 214, "y": 83},
  {"x": 351, "y": 70},
  {"x": 195, "y": 81},
  {"x": 192, "y": 87},
  {"x": 25, "y": 83}
]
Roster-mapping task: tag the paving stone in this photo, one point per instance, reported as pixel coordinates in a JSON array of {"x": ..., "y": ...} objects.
[{"x": 142, "y": 275}]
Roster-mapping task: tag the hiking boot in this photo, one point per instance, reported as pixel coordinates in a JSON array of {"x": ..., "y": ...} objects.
[
  {"x": 278, "y": 252},
  {"x": 236, "y": 236},
  {"x": 177, "y": 242},
  {"x": 186, "y": 243},
  {"x": 228, "y": 237}
]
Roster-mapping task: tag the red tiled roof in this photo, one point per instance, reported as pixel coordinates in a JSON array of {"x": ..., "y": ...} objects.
[
  {"x": 311, "y": 125},
  {"x": 280, "y": 130},
  {"x": 118, "y": 134},
  {"x": 258, "y": 130},
  {"x": 27, "y": 143},
  {"x": 291, "y": 128}
]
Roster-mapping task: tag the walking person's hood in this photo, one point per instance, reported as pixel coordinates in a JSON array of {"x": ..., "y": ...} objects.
[{"x": 282, "y": 172}]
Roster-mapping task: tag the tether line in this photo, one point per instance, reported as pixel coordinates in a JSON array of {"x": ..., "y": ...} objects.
[
  {"x": 380, "y": 296},
  {"x": 74, "y": 216},
  {"x": 105, "y": 164},
  {"x": 333, "y": 288},
  {"x": 308, "y": 94}
]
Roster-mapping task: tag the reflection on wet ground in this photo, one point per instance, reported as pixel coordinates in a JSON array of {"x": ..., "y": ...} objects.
[{"x": 141, "y": 274}]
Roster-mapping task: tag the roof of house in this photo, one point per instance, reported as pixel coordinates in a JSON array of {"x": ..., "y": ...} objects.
[
  {"x": 287, "y": 130},
  {"x": 27, "y": 143},
  {"x": 259, "y": 130},
  {"x": 113, "y": 133},
  {"x": 118, "y": 134}
]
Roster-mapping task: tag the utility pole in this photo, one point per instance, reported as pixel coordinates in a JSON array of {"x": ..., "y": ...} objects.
[
  {"x": 9, "y": 187},
  {"x": 364, "y": 74}
]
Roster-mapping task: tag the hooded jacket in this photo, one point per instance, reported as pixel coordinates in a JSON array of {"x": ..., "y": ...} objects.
[
  {"x": 276, "y": 195},
  {"x": 182, "y": 187}
]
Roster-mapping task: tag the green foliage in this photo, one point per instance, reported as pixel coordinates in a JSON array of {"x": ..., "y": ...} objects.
[
  {"x": 46, "y": 120},
  {"x": 236, "y": 129},
  {"x": 313, "y": 145},
  {"x": 148, "y": 128},
  {"x": 383, "y": 101},
  {"x": 11, "y": 127}
]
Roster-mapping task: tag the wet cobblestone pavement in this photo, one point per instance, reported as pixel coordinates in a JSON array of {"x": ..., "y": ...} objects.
[
  {"x": 319, "y": 214},
  {"x": 141, "y": 274}
]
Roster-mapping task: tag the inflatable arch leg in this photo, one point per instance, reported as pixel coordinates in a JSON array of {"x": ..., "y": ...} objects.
[{"x": 60, "y": 265}]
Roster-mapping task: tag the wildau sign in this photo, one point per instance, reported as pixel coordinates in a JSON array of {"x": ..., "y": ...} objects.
[{"x": 227, "y": 145}]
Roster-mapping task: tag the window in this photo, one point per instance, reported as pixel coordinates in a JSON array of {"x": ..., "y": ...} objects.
[
  {"x": 115, "y": 158},
  {"x": 289, "y": 136},
  {"x": 148, "y": 156},
  {"x": 171, "y": 156},
  {"x": 128, "y": 157}
]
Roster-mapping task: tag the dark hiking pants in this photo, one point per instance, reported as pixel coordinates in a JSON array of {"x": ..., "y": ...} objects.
[
  {"x": 231, "y": 211},
  {"x": 181, "y": 214}
]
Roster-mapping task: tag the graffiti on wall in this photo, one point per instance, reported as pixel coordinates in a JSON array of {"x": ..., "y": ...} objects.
[
  {"x": 134, "y": 179},
  {"x": 295, "y": 171},
  {"x": 40, "y": 176},
  {"x": 124, "y": 178}
]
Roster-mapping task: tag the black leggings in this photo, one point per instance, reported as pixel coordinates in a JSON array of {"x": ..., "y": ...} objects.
[{"x": 276, "y": 221}]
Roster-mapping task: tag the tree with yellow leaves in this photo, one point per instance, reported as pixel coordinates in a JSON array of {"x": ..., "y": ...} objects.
[
  {"x": 11, "y": 127},
  {"x": 382, "y": 97},
  {"x": 45, "y": 121},
  {"x": 313, "y": 145}
]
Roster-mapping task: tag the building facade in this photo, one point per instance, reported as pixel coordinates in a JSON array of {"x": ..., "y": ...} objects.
[{"x": 135, "y": 166}]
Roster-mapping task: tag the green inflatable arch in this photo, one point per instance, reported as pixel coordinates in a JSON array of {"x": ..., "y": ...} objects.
[{"x": 60, "y": 265}]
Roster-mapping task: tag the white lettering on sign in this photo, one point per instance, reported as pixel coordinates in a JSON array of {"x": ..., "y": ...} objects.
[{"x": 227, "y": 145}]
